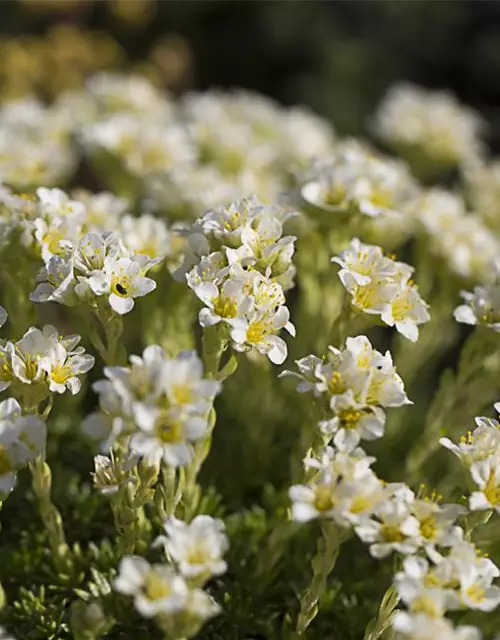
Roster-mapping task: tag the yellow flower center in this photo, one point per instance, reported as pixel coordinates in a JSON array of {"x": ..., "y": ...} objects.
[
  {"x": 156, "y": 587},
  {"x": 256, "y": 331},
  {"x": 336, "y": 383},
  {"x": 492, "y": 490},
  {"x": 431, "y": 580},
  {"x": 168, "y": 430},
  {"x": 476, "y": 593},
  {"x": 155, "y": 158},
  {"x": 5, "y": 462},
  {"x": 6, "y": 373},
  {"x": 349, "y": 418},
  {"x": 149, "y": 248},
  {"x": 490, "y": 315},
  {"x": 360, "y": 504},
  {"x": 400, "y": 308},
  {"x": 225, "y": 307},
  {"x": 335, "y": 195},
  {"x": 231, "y": 162},
  {"x": 121, "y": 285},
  {"x": 323, "y": 500},
  {"x": 52, "y": 239},
  {"x": 427, "y": 605},
  {"x": 182, "y": 393},
  {"x": 60, "y": 373},
  {"x": 365, "y": 297},
  {"x": 392, "y": 533},
  {"x": 382, "y": 198},
  {"x": 197, "y": 554},
  {"x": 31, "y": 367},
  {"x": 428, "y": 527}
]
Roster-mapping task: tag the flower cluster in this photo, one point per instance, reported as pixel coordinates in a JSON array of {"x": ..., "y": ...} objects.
[
  {"x": 172, "y": 593},
  {"x": 387, "y": 517},
  {"x": 84, "y": 262},
  {"x": 382, "y": 286},
  {"x": 479, "y": 451},
  {"x": 432, "y": 124},
  {"x": 22, "y": 438},
  {"x": 43, "y": 361},
  {"x": 483, "y": 190},
  {"x": 458, "y": 237},
  {"x": 239, "y": 264},
  {"x": 355, "y": 384},
  {"x": 157, "y": 406},
  {"x": 442, "y": 570},
  {"x": 357, "y": 180},
  {"x": 40, "y": 137},
  {"x": 458, "y": 579}
]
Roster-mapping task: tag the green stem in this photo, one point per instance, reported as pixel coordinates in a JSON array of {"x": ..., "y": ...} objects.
[
  {"x": 215, "y": 342},
  {"x": 323, "y": 563},
  {"x": 105, "y": 321},
  {"x": 379, "y": 625},
  {"x": 42, "y": 484},
  {"x": 128, "y": 509}
]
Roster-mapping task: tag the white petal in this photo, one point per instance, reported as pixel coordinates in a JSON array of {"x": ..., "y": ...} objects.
[{"x": 119, "y": 304}]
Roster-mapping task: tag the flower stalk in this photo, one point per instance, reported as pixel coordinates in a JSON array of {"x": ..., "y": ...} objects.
[{"x": 52, "y": 520}]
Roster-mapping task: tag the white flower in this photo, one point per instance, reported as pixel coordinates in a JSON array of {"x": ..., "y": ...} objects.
[
  {"x": 163, "y": 403},
  {"x": 103, "y": 210},
  {"x": 364, "y": 263},
  {"x": 201, "y": 606},
  {"x": 312, "y": 501},
  {"x": 486, "y": 474},
  {"x": 477, "y": 445},
  {"x": 183, "y": 383},
  {"x": 197, "y": 548},
  {"x": 146, "y": 235},
  {"x": 357, "y": 500},
  {"x": 259, "y": 331},
  {"x": 482, "y": 307},
  {"x": 406, "y": 311},
  {"x": 467, "y": 246},
  {"x": 306, "y": 374},
  {"x": 156, "y": 589},
  {"x": 3, "y": 316},
  {"x": 381, "y": 286},
  {"x": 344, "y": 488},
  {"x": 437, "y": 522},
  {"x": 476, "y": 590},
  {"x": 111, "y": 474},
  {"x": 417, "y": 594},
  {"x": 29, "y": 351},
  {"x": 353, "y": 420},
  {"x": 93, "y": 249},
  {"x": 419, "y": 626},
  {"x": 393, "y": 529},
  {"x": 224, "y": 303},
  {"x": 166, "y": 434},
  {"x": 6, "y": 371},
  {"x": 121, "y": 279},
  {"x": 435, "y": 124},
  {"x": 62, "y": 368},
  {"x": 22, "y": 438},
  {"x": 56, "y": 282}
]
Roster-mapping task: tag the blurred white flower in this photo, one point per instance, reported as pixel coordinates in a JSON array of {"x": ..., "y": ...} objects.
[{"x": 196, "y": 548}]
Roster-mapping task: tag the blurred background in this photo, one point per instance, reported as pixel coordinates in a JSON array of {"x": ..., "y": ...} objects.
[{"x": 337, "y": 57}]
